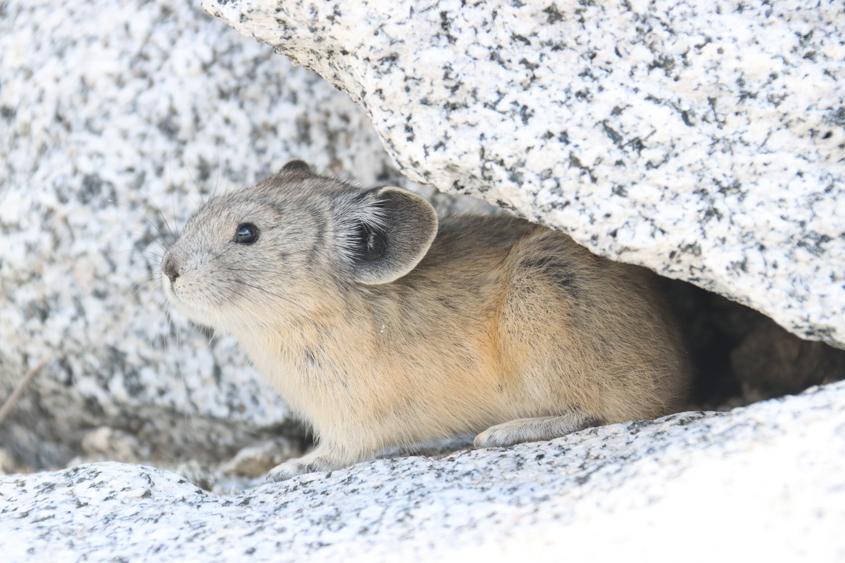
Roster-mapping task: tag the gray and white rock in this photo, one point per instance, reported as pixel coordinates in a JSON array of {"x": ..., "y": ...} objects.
[
  {"x": 764, "y": 482},
  {"x": 703, "y": 139},
  {"x": 116, "y": 119}
]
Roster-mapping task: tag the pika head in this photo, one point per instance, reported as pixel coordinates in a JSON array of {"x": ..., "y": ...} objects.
[{"x": 289, "y": 242}]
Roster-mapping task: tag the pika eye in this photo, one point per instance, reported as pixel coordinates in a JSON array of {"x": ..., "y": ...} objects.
[{"x": 246, "y": 233}]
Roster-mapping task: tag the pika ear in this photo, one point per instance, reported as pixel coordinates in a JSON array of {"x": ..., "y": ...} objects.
[
  {"x": 298, "y": 167},
  {"x": 384, "y": 233}
]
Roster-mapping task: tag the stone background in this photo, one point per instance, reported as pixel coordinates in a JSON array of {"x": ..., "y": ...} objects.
[{"x": 116, "y": 120}]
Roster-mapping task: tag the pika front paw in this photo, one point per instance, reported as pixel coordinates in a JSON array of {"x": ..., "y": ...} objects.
[
  {"x": 498, "y": 436},
  {"x": 317, "y": 460},
  {"x": 290, "y": 469}
]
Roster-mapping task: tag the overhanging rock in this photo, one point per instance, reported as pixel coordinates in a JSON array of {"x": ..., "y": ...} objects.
[{"x": 705, "y": 140}]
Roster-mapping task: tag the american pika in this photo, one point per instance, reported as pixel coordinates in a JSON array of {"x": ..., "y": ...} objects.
[{"x": 383, "y": 327}]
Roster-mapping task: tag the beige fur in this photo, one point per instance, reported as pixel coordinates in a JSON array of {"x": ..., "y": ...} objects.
[{"x": 501, "y": 320}]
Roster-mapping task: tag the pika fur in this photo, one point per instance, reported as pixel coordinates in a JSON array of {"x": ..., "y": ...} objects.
[{"x": 383, "y": 328}]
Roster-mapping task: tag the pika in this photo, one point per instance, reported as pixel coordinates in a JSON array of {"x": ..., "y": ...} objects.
[{"x": 384, "y": 327}]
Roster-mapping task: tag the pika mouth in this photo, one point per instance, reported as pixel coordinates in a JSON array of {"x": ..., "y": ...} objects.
[
  {"x": 169, "y": 290},
  {"x": 178, "y": 303},
  {"x": 192, "y": 301}
]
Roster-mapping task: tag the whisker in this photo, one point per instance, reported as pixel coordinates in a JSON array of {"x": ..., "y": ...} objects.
[
  {"x": 284, "y": 298},
  {"x": 257, "y": 270},
  {"x": 137, "y": 287},
  {"x": 168, "y": 229},
  {"x": 152, "y": 257},
  {"x": 224, "y": 251},
  {"x": 219, "y": 171},
  {"x": 190, "y": 170}
]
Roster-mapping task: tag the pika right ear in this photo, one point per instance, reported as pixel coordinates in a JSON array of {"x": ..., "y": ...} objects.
[{"x": 384, "y": 233}]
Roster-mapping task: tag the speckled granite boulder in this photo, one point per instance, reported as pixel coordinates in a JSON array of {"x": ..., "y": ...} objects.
[
  {"x": 117, "y": 119},
  {"x": 703, "y": 139},
  {"x": 765, "y": 482}
]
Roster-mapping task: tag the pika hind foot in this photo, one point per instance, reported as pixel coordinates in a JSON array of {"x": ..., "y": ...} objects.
[
  {"x": 532, "y": 430},
  {"x": 319, "y": 459}
]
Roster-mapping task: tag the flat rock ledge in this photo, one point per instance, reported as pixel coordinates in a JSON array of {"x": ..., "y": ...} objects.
[
  {"x": 705, "y": 140},
  {"x": 766, "y": 482}
]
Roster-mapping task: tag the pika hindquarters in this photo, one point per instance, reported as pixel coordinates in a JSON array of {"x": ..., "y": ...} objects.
[{"x": 592, "y": 340}]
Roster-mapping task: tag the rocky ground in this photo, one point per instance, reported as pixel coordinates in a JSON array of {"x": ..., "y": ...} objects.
[{"x": 764, "y": 482}]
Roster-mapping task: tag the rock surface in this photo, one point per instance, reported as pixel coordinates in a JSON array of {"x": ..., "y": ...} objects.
[
  {"x": 765, "y": 482},
  {"x": 726, "y": 168},
  {"x": 705, "y": 140},
  {"x": 116, "y": 120}
]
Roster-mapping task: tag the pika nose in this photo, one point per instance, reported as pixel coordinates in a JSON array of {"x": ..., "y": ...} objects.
[{"x": 171, "y": 270}]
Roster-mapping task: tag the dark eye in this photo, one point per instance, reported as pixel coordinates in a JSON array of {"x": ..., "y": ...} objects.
[{"x": 246, "y": 233}]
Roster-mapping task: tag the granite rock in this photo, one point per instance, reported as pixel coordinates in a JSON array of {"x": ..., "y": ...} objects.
[
  {"x": 117, "y": 119},
  {"x": 705, "y": 140},
  {"x": 764, "y": 482}
]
